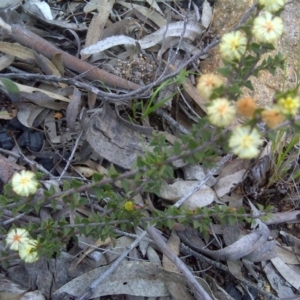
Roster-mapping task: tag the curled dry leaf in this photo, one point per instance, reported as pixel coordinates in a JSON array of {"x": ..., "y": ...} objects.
[
  {"x": 239, "y": 249},
  {"x": 190, "y": 31}
]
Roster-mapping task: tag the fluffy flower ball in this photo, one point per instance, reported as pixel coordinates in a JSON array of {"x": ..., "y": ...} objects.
[
  {"x": 267, "y": 28},
  {"x": 246, "y": 107},
  {"x": 289, "y": 105},
  {"x": 16, "y": 238},
  {"x": 28, "y": 252},
  {"x": 272, "y": 117},
  {"x": 233, "y": 45},
  {"x": 272, "y": 5},
  {"x": 221, "y": 112},
  {"x": 245, "y": 141},
  {"x": 129, "y": 206},
  {"x": 206, "y": 83},
  {"x": 24, "y": 183}
]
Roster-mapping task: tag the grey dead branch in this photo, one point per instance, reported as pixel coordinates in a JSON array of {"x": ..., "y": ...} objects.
[{"x": 134, "y": 52}]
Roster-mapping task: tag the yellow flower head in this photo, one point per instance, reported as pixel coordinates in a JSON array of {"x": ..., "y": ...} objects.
[
  {"x": 272, "y": 5},
  {"x": 246, "y": 107},
  {"x": 233, "y": 45},
  {"x": 24, "y": 183},
  {"x": 28, "y": 252},
  {"x": 128, "y": 205},
  {"x": 289, "y": 105},
  {"x": 272, "y": 117},
  {"x": 245, "y": 141},
  {"x": 221, "y": 112},
  {"x": 207, "y": 82},
  {"x": 267, "y": 28},
  {"x": 16, "y": 238}
]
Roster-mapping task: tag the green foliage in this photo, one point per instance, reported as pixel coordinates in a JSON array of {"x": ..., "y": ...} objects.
[
  {"x": 109, "y": 197},
  {"x": 285, "y": 154},
  {"x": 11, "y": 89}
]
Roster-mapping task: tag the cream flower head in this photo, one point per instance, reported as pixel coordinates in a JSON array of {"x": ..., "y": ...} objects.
[
  {"x": 272, "y": 5},
  {"x": 267, "y": 28},
  {"x": 16, "y": 238},
  {"x": 221, "y": 112},
  {"x": 289, "y": 105},
  {"x": 28, "y": 252},
  {"x": 24, "y": 183},
  {"x": 233, "y": 45},
  {"x": 207, "y": 82},
  {"x": 245, "y": 141}
]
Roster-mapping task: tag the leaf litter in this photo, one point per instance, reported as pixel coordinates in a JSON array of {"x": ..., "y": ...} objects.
[{"x": 128, "y": 45}]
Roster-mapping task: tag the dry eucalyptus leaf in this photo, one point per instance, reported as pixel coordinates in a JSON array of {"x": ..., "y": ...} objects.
[
  {"x": 98, "y": 22},
  {"x": 279, "y": 285},
  {"x": 40, "y": 8},
  {"x": 138, "y": 278},
  {"x": 144, "y": 243},
  {"x": 196, "y": 172},
  {"x": 43, "y": 100},
  {"x": 235, "y": 268},
  {"x": 287, "y": 255},
  {"x": 73, "y": 109},
  {"x": 114, "y": 138},
  {"x": 27, "y": 113},
  {"x": 5, "y": 61},
  {"x": 149, "y": 13},
  {"x": 263, "y": 252},
  {"x": 9, "y": 3},
  {"x": 50, "y": 125},
  {"x": 206, "y": 14},
  {"x": 123, "y": 27},
  {"x": 174, "y": 244},
  {"x": 153, "y": 4},
  {"x": 19, "y": 51},
  {"x": 7, "y": 169},
  {"x": 152, "y": 256},
  {"x": 179, "y": 291},
  {"x": 231, "y": 233},
  {"x": 175, "y": 191},
  {"x": 58, "y": 23},
  {"x": 92, "y": 5},
  {"x": 232, "y": 174},
  {"x": 286, "y": 272},
  {"x": 29, "y": 89},
  {"x": 89, "y": 249}
]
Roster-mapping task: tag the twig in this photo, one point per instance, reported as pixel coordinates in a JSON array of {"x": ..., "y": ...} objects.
[
  {"x": 71, "y": 157},
  {"x": 32, "y": 164},
  {"x": 198, "y": 290},
  {"x": 90, "y": 290},
  {"x": 21, "y": 216},
  {"x": 169, "y": 119}
]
